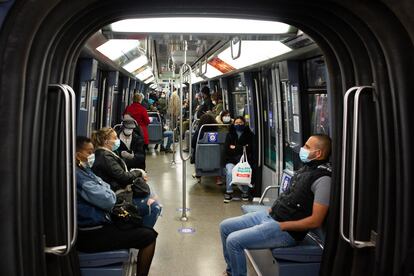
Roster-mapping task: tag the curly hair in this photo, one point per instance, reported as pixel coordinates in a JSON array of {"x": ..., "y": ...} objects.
[{"x": 99, "y": 137}]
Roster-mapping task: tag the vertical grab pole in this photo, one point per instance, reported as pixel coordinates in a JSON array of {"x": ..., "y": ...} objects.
[
  {"x": 184, "y": 158},
  {"x": 173, "y": 127}
]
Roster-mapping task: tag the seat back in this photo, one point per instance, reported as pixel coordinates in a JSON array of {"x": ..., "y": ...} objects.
[
  {"x": 155, "y": 135},
  {"x": 209, "y": 159}
]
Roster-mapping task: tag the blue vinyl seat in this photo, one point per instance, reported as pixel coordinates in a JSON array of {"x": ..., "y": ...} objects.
[{"x": 108, "y": 263}]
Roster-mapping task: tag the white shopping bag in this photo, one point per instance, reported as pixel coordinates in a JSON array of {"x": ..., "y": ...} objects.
[{"x": 242, "y": 172}]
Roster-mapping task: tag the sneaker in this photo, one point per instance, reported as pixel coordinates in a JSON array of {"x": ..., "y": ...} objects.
[
  {"x": 156, "y": 147},
  {"x": 227, "y": 197},
  {"x": 245, "y": 196}
]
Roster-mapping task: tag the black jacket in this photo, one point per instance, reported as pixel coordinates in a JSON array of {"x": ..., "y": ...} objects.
[
  {"x": 246, "y": 139},
  {"x": 111, "y": 169},
  {"x": 297, "y": 201},
  {"x": 137, "y": 146}
]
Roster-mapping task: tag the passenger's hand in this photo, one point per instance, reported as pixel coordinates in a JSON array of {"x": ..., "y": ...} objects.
[
  {"x": 269, "y": 210},
  {"x": 127, "y": 155},
  {"x": 146, "y": 178},
  {"x": 232, "y": 146},
  {"x": 150, "y": 201}
]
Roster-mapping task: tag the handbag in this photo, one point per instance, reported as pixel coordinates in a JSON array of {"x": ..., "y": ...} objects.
[
  {"x": 140, "y": 188},
  {"x": 242, "y": 172},
  {"x": 124, "y": 195},
  {"x": 126, "y": 216}
]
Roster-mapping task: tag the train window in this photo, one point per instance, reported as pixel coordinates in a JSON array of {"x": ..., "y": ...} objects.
[
  {"x": 316, "y": 73},
  {"x": 270, "y": 120},
  {"x": 318, "y": 107},
  {"x": 317, "y": 95},
  {"x": 239, "y": 97}
]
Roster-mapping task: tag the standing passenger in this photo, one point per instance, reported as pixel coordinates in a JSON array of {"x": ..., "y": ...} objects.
[
  {"x": 140, "y": 114},
  {"x": 94, "y": 202},
  {"x": 207, "y": 104}
]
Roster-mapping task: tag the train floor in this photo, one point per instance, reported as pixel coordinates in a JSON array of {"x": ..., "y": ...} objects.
[{"x": 192, "y": 247}]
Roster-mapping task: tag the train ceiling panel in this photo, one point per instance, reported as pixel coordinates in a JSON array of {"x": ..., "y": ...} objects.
[{"x": 153, "y": 50}]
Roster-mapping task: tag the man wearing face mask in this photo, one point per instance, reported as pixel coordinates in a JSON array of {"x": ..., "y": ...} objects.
[
  {"x": 131, "y": 148},
  {"x": 302, "y": 207}
]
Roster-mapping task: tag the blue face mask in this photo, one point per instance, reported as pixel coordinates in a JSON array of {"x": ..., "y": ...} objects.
[
  {"x": 304, "y": 155},
  {"x": 239, "y": 128},
  {"x": 116, "y": 144}
]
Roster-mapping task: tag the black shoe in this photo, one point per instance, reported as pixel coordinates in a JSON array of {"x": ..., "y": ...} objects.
[
  {"x": 168, "y": 150},
  {"x": 245, "y": 196},
  {"x": 156, "y": 147},
  {"x": 227, "y": 197},
  {"x": 162, "y": 149}
]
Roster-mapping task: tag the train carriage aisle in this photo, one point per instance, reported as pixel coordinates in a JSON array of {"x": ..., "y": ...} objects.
[{"x": 192, "y": 247}]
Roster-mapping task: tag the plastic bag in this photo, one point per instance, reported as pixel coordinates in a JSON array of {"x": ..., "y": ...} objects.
[{"x": 242, "y": 172}]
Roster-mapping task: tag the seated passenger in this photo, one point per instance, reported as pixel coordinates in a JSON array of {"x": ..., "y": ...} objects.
[
  {"x": 132, "y": 144},
  {"x": 113, "y": 170},
  {"x": 302, "y": 207},
  {"x": 239, "y": 136},
  {"x": 94, "y": 202},
  {"x": 224, "y": 117}
]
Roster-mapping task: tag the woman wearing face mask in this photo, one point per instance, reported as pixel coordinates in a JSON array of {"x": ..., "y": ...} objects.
[
  {"x": 94, "y": 202},
  {"x": 132, "y": 144},
  {"x": 113, "y": 170},
  {"x": 239, "y": 136},
  {"x": 224, "y": 117}
]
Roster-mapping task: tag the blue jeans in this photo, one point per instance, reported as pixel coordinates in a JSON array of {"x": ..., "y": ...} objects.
[
  {"x": 256, "y": 230},
  {"x": 149, "y": 214},
  {"x": 169, "y": 135},
  {"x": 229, "y": 188}
]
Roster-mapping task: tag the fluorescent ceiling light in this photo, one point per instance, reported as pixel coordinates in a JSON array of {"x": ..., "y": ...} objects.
[
  {"x": 178, "y": 85},
  {"x": 253, "y": 52},
  {"x": 199, "y": 25},
  {"x": 195, "y": 79},
  {"x": 136, "y": 64},
  {"x": 211, "y": 72},
  {"x": 153, "y": 86},
  {"x": 151, "y": 79},
  {"x": 115, "y": 48},
  {"x": 144, "y": 74}
]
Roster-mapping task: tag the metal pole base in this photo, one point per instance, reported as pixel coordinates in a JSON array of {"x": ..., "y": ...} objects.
[{"x": 184, "y": 218}]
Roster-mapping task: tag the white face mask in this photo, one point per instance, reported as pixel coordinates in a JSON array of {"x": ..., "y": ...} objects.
[
  {"x": 128, "y": 131},
  {"x": 91, "y": 160},
  {"x": 226, "y": 119}
]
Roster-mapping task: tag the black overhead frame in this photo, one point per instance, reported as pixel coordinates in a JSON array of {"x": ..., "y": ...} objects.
[{"x": 364, "y": 42}]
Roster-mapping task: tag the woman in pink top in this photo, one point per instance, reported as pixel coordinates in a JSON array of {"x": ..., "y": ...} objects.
[{"x": 139, "y": 113}]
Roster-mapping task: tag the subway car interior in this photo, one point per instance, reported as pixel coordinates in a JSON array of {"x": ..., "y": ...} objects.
[{"x": 286, "y": 70}]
